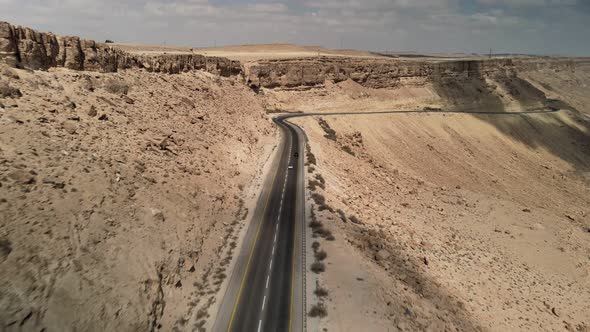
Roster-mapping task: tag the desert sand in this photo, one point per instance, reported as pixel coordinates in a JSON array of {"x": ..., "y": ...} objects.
[
  {"x": 122, "y": 196},
  {"x": 465, "y": 222}
]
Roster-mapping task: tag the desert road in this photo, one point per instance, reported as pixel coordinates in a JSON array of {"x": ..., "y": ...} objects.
[{"x": 266, "y": 290}]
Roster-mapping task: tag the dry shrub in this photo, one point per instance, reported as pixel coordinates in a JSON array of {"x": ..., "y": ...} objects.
[
  {"x": 315, "y": 245},
  {"x": 341, "y": 214},
  {"x": 315, "y": 224},
  {"x": 318, "y": 310},
  {"x": 348, "y": 150},
  {"x": 354, "y": 220},
  {"x": 330, "y": 133},
  {"x": 320, "y": 291},
  {"x": 8, "y": 72},
  {"x": 116, "y": 86},
  {"x": 8, "y": 91},
  {"x": 321, "y": 255},
  {"x": 318, "y": 267}
]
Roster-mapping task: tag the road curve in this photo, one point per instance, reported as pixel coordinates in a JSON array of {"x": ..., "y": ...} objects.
[{"x": 265, "y": 292}]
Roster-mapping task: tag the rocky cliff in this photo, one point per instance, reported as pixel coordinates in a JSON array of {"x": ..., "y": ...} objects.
[
  {"x": 387, "y": 73},
  {"x": 374, "y": 73},
  {"x": 27, "y": 48}
]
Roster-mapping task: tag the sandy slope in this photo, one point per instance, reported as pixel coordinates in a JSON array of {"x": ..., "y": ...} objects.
[
  {"x": 120, "y": 208},
  {"x": 468, "y": 222}
]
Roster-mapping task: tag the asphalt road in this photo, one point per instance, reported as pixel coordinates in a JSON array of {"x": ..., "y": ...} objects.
[{"x": 266, "y": 290}]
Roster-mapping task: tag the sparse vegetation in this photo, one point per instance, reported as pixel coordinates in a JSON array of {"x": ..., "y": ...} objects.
[
  {"x": 321, "y": 255},
  {"x": 341, "y": 214},
  {"x": 353, "y": 219},
  {"x": 319, "y": 199},
  {"x": 322, "y": 232},
  {"x": 320, "y": 291},
  {"x": 315, "y": 245},
  {"x": 330, "y": 133},
  {"x": 320, "y": 179},
  {"x": 318, "y": 267},
  {"x": 7, "y": 91},
  {"x": 315, "y": 224},
  {"x": 313, "y": 184},
  {"x": 318, "y": 310},
  {"x": 310, "y": 156},
  {"x": 348, "y": 150},
  {"x": 8, "y": 72},
  {"x": 116, "y": 86}
]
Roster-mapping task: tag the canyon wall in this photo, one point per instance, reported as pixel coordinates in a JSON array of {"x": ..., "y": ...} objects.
[
  {"x": 387, "y": 73},
  {"x": 26, "y": 48},
  {"x": 373, "y": 73}
]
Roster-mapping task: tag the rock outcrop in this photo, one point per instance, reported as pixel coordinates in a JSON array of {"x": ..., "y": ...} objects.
[
  {"x": 27, "y": 48},
  {"x": 386, "y": 73},
  {"x": 373, "y": 73}
]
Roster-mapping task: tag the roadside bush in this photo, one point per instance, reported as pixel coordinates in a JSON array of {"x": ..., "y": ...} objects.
[
  {"x": 324, "y": 207},
  {"x": 330, "y": 133},
  {"x": 313, "y": 184},
  {"x": 321, "y": 255},
  {"x": 320, "y": 291},
  {"x": 318, "y": 267},
  {"x": 310, "y": 157},
  {"x": 319, "y": 199},
  {"x": 315, "y": 224},
  {"x": 318, "y": 310},
  {"x": 116, "y": 86},
  {"x": 315, "y": 245},
  {"x": 320, "y": 179},
  {"x": 324, "y": 233}
]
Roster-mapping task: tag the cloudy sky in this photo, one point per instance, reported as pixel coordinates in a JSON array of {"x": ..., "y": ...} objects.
[{"x": 516, "y": 26}]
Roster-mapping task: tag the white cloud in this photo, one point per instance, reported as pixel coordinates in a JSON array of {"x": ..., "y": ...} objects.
[
  {"x": 423, "y": 25},
  {"x": 524, "y": 3}
]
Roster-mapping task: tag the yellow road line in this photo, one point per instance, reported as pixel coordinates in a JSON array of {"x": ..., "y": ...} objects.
[{"x": 231, "y": 320}]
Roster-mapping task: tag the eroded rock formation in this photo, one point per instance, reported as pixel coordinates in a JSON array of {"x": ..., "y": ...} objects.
[
  {"x": 385, "y": 73},
  {"x": 27, "y": 48}
]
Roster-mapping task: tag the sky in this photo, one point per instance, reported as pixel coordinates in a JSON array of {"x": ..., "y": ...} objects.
[{"x": 552, "y": 27}]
